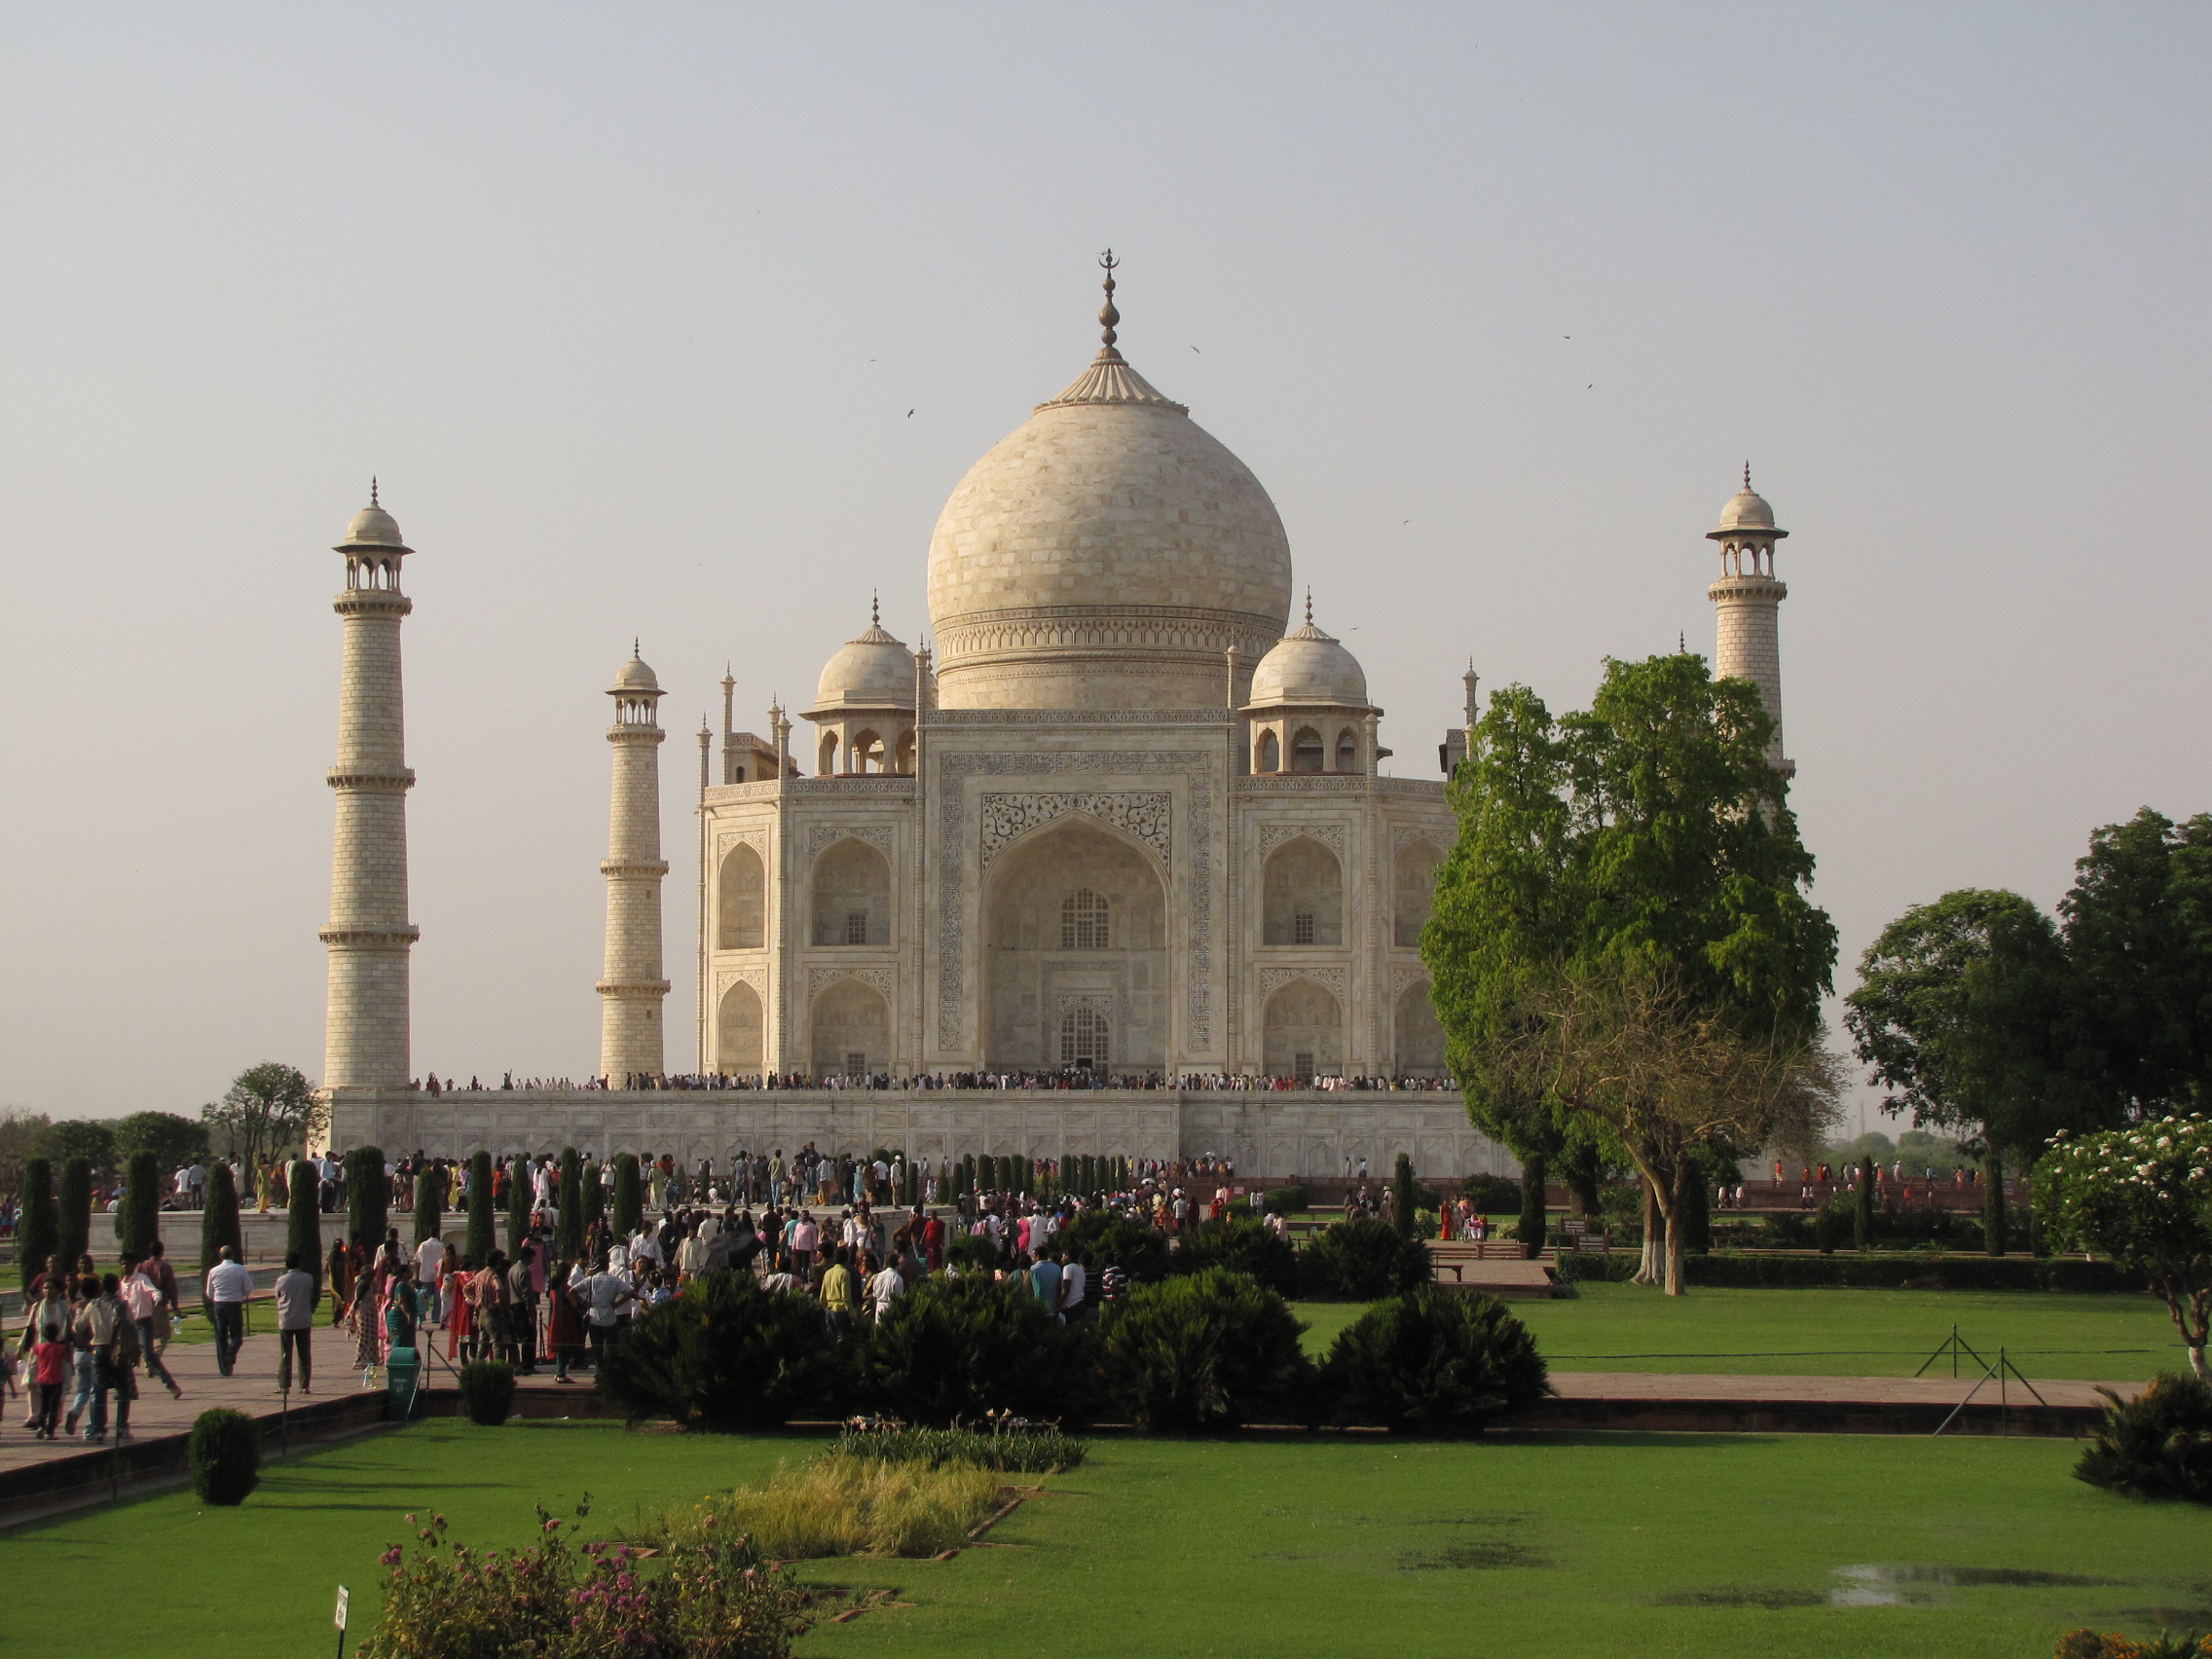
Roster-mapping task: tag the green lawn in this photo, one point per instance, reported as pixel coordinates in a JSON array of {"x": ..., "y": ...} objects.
[
  {"x": 1842, "y": 1333},
  {"x": 1625, "y": 1545}
]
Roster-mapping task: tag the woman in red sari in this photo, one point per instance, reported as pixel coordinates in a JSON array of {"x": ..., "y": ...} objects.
[
  {"x": 461, "y": 1322},
  {"x": 564, "y": 1322}
]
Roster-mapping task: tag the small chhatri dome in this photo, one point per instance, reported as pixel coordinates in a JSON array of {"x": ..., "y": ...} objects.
[
  {"x": 636, "y": 677},
  {"x": 1747, "y": 509},
  {"x": 872, "y": 672},
  {"x": 371, "y": 526},
  {"x": 1309, "y": 666}
]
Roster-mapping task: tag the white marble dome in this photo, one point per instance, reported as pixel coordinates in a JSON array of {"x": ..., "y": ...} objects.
[
  {"x": 1306, "y": 667},
  {"x": 635, "y": 675},
  {"x": 1107, "y": 554},
  {"x": 1747, "y": 509},
  {"x": 872, "y": 672},
  {"x": 371, "y": 526}
]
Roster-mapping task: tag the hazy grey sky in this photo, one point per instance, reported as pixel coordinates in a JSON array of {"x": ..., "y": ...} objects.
[{"x": 628, "y": 306}]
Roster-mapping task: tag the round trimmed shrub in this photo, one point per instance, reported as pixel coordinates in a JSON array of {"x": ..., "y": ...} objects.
[
  {"x": 1433, "y": 1361},
  {"x": 953, "y": 1350},
  {"x": 726, "y": 1356},
  {"x": 1241, "y": 1245},
  {"x": 2157, "y": 1445},
  {"x": 488, "y": 1391},
  {"x": 1284, "y": 1200},
  {"x": 1214, "y": 1349},
  {"x": 1100, "y": 1237},
  {"x": 1360, "y": 1261},
  {"x": 225, "y": 1453}
]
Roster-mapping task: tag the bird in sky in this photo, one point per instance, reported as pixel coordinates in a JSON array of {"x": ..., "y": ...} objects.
[{"x": 909, "y": 414}]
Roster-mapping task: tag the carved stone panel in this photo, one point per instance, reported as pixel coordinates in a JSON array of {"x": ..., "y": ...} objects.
[
  {"x": 821, "y": 836},
  {"x": 1149, "y": 816},
  {"x": 1274, "y": 835}
]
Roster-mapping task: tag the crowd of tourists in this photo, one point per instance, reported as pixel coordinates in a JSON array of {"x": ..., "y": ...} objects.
[
  {"x": 86, "y": 1336},
  {"x": 788, "y": 1222},
  {"x": 1065, "y": 1078}
]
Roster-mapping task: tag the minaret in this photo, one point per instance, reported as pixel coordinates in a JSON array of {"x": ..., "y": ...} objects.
[
  {"x": 631, "y": 987},
  {"x": 365, "y": 1025},
  {"x": 1749, "y": 600}
]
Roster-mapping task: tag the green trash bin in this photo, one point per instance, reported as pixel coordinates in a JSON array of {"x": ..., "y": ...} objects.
[{"x": 402, "y": 1369}]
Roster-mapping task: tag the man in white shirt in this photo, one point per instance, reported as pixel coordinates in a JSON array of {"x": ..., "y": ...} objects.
[
  {"x": 883, "y": 1288},
  {"x": 296, "y": 1298},
  {"x": 692, "y": 1254},
  {"x": 429, "y": 1272},
  {"x": 141, "y": 1298},
  {"x": 226, "y": 1286},
  {"x": 1073, "y": 1289},
  {"x": 602, "y": 1296}
]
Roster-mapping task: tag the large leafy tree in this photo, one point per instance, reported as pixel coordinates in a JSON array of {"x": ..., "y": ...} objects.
[
  {"x": 1622, "y": 945},
  {"x": 268, "y": 1108},
  {"x": 173, "y": 1141},
  {"x": 88, "y": 1138},
  {"x": 2138, "y": 927},
  {"x": 1964, "y": 1012}
]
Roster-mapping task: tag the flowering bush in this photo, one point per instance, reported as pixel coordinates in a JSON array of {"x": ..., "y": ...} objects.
[
  {"x": 2142, "y": 1195},
  {"x": 2092, "y": 1644},
  {"x": 708, "y": 1598}
]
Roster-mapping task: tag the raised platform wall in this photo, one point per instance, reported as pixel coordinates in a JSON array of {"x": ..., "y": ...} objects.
[{"x": 1268, "y": 1134}]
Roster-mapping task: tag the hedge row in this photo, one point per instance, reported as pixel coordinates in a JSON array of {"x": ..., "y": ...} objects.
[
  {"x": 1879, "y": 1271},
  {"x": 1208, "y": 1351}
]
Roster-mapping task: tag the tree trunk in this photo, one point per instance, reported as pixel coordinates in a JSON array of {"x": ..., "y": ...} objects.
[
  {"x": 1534, "y": 1173},
  {"x": 1686, "y": 1172},
  {"x": 1651, "y": 1270},
  {"x": 1993, "y": 1201},
  {"x": 1578, "y": 1170}
]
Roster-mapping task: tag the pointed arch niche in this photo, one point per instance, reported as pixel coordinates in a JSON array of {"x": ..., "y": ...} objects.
[
  {"x": 1305, "y": 1032},
  {"x": 1414, "y": 890},
  {"x": 740, "y": 899},
  {"x": 852, "y": 1030},
  {"x": 738, "y": 1032},
  {"x": 1075, "y": 918},
  {"x": 852, "y": 895},
  {"x": 1303, "y": 895}
]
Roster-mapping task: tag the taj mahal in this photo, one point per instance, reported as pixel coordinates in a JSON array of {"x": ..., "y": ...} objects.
[{"x": 1113, "y": 869}]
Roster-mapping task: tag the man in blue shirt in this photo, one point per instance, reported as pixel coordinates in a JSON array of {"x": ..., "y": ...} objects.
[{"x": 1045, "y": 1283}]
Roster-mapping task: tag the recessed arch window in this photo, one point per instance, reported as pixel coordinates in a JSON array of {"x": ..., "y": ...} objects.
[
  {"x": 1348, "y": 750},
  {"x": 1084, "y": 1037},
  {"x": 1306, "y": 755},
  {"x": 1270, "y": 753},
  {"x": 1084, "y": 921}
]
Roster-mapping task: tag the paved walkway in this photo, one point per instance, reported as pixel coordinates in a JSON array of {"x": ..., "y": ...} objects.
[
  {"x": 1842, "y": 1391},
  {"x": 251, "y": 1388}
]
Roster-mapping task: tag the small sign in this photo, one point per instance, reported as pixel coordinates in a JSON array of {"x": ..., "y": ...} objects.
[{"x": 344, "y": 1595}]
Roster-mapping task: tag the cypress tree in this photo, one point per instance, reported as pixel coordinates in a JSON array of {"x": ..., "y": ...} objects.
[
  {"x": 1403, "y": 1212},
  {"x": 595, "y": 1196},
  {"x": 1697, "y": 1209},
  {"x": 1863, "y": 1207},
  {"x": 518, "y": 1206},
  {"x": 1993, "y": 1201},
  {"x": 430, "y": 1202},
  {"x": 629, "y": 1194},
  {"x": 38, "y": 1233},
  {"x": 368, "y": 1197},
  {"x": 482, "y": 1227},
  {"x": 1535, "y": 1171},
  {"x": 569, "y": 1237},
  {"x": 138, "y": 1220},
  {"x": 303, "y": 1220},
  {"x": 219, "y": 1221},
  {"x": 75, "y": 1222}
]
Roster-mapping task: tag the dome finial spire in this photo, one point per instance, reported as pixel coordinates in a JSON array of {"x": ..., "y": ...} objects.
[
  {"x": 874, "y": 608},
  {"x": 1309, "y": 605},
  {"x": 1108, "y": 316},
  {"x": 637, "y": 648},
  {"x": 373, "y": 490},
  {"x": 1746, "y": 475}
]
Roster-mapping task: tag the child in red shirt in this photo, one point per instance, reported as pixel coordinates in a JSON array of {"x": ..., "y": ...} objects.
[{"x": 50, "y": 1375}]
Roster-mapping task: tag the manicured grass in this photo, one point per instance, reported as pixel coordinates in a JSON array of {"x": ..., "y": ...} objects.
[
  {"x": 1830, "y": 1333},
  {"x": 1626, "y": 1545}
]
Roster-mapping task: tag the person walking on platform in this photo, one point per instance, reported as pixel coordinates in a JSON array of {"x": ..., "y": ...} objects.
[
  {"x": 296, "y": 1296},
  {"x": 228, "y": 1284}
]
